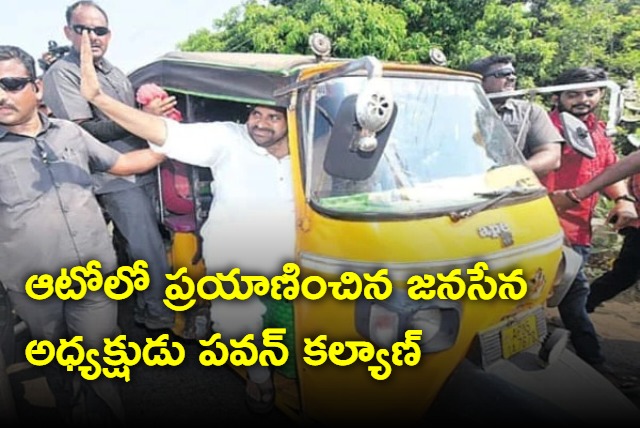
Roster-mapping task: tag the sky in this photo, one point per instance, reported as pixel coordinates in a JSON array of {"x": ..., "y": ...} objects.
[{"x": 142, "y": 30}]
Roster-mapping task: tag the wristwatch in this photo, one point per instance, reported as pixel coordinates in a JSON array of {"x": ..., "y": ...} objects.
[{"x": 625, "y": 198}]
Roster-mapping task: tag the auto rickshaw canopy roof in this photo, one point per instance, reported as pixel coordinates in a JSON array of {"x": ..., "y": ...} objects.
[{"x": 247, "y": 77}]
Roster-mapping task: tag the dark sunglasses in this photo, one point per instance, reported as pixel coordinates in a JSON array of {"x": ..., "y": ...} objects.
[
  {"x": 15, "y": 84},
  {"x": 98, "y": 31},
  {"x": 502, "y": 73}
]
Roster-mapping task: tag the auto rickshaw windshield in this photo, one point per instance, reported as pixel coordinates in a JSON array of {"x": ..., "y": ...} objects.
[{"x": 444, "y": 139}]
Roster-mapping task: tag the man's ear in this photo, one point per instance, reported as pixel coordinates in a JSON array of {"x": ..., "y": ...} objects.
[
  {"x": 38, "y": 87},
  {"x": 68, "y": 32}
]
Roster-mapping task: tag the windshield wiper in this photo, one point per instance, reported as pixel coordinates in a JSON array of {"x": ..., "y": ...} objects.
[{"x": 494, "y": 196}]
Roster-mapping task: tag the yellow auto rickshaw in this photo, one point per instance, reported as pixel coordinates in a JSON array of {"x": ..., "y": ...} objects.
[{"x": 403, "y": 170}]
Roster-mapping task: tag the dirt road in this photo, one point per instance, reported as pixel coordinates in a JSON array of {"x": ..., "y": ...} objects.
[{"x": 617, "y": 323}]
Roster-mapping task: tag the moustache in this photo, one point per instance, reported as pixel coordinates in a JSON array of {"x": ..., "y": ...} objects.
[
  {"x": 4, "y": 104},
  {"x": 581, "y": 105},
  {"x": 258, "y": 128}
]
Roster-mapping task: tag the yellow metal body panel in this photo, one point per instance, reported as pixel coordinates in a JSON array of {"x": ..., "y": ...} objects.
[
  {"x": 337, "y": 394},
  {"x": 183, "y": 249},
  {"x": 331, "y": 394}
]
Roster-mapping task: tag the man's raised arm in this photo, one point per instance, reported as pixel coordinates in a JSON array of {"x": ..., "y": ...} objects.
[{"x": 149, "y": 127}]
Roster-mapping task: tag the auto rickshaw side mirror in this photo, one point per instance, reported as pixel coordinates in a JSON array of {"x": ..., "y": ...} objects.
[
  {"x": 577, "y": 135},
  {"x": 353, "y": 151}
]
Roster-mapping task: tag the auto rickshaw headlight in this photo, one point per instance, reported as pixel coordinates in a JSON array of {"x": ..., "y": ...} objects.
[
  {"x": 427, "y": 320},
  {"x": 383, "y": 326},
  {"x": 385, "y": 322}
]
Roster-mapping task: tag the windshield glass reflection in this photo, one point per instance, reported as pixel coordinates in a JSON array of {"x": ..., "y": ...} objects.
[{"x": 444, "y": 145}]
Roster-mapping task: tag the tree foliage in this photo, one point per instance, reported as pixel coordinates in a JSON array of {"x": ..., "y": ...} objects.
[
  {"x": 544, "y": 36},
  {"x": 284, "y": 27}
]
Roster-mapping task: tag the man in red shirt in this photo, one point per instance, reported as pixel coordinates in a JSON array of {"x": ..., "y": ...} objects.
[{"x": 578, "y": 168}]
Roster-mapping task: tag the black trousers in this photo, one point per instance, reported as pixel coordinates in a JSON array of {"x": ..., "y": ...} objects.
[
  {"x": 133, "y": 213},
  {"x": 624, "y": 273}
]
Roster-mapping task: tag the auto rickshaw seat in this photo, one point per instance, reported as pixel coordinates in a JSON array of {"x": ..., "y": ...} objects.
[
  {"x": 181, "y": 223},
  {"x": 186, "y": 199},
  {"x": 186, "y": 195},
  {"x": 177, "y": 196},
  {"x": 176, "y": 188}
]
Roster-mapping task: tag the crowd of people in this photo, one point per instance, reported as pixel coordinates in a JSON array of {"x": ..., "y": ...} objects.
[
  {"x": 68, "y": 108},
  {"x": 567, "y": 167},
  {"x": 78, "y": 132}
]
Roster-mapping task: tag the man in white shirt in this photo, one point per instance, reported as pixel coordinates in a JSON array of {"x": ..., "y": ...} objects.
[{"x": 251, "y": 222}]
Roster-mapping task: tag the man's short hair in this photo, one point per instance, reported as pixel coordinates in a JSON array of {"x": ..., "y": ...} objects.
[
  {"x": 8, "y": 53},
  {"x": 73, "y": 7},
  {"x": 581, "y": 75},
  {"x": 482, "y": 66},
  {"x": 280, "y": 109}
]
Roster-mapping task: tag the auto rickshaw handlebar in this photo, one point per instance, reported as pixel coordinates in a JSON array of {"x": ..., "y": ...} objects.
[{"x": 615, "y": 100}]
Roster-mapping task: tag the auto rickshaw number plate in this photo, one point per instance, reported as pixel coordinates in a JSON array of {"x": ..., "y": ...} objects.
[{"x": 519, "y": 336}]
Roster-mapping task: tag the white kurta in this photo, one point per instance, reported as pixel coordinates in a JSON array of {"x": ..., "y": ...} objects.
[{"x": 251, "y": 224}]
